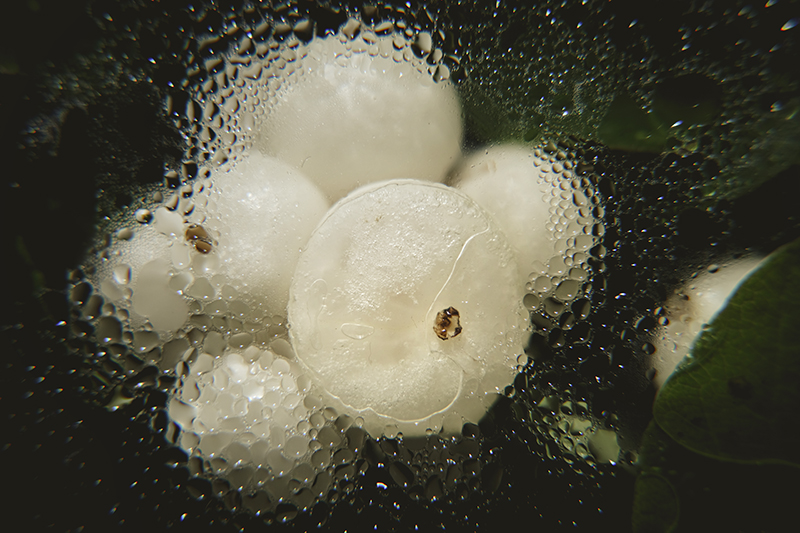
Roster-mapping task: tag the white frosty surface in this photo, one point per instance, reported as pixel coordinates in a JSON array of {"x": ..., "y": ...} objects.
[
  {"x": 262, "y": 213},
  {"x": 504, "y": 180},
  {"x": 246, "y": 408},
  {"x": 368, "y": 286},
  {"x": 351, "y": 118},
  {"x": 693, "y": 306}
]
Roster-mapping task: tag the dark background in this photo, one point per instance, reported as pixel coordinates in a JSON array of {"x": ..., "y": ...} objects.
[{"x": 68, "y": 463}]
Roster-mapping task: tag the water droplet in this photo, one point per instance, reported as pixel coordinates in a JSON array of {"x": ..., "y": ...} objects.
[
  {"x": 143, "y": 216},
  {"x": 144, "y": 341},
  {"x": 531, "y": 301},
  {"x": 109, "y": 330},
  {"x": 122, "y": 274},
  {"x": 240, "y": 340},
  {"x": 125, "y": 234},
  {"x": 80, "y": 293},
  {"x": 567, "y": 290}
]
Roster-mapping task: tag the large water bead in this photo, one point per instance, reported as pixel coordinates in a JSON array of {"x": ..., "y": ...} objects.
[
  {"x": 516, "y": 187},
  {"x": 352, "y": 119},
  {"x": 263, "y": 211},
  {"x": 368, "y": 292}
]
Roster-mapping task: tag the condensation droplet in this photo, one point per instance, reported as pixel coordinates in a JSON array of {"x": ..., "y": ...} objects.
[
  {"x": 122, "y": 274},
  {"x": 143, "y": 216},
  {"x": 531, "y": 301}
]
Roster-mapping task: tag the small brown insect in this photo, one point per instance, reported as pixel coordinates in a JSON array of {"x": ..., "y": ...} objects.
[
  {"x": 199, "y": 237},
  {"x": 447, "y": 324}
]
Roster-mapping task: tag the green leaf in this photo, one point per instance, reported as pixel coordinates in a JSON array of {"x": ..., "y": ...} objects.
[
  {"x": 738, "y": 399},
  {"x": 628, "y": 127},
  {"x": 679, "y": 491},
  {"x": 692, "y": 99},
  {"x": 655, "y": 505}
]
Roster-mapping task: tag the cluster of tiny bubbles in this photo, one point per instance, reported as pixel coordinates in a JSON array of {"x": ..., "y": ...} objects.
[
  {"x": 720, "y": 90},
  {"x": 435, "y": 467},
  {"x": 565, "y": 429},
  {"x": 541, "y": 70},
  {"x": 558, "y": 295},
  {"x": 576, "y": 223}
]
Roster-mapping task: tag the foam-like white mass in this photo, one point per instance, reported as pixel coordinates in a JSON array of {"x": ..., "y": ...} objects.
[
  {"x": 693, "y": 306},
  {"x": 370, "y": 294},
  {"x": 351, "y": 117},
  {"x": 247, "y": 409},
  {"x": 262, "y": 213},
  {"x": 506, "y": 180}
]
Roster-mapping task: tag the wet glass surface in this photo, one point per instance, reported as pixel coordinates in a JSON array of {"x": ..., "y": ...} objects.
[{"x": 682, "y": 121}]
